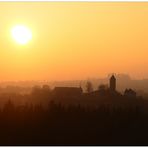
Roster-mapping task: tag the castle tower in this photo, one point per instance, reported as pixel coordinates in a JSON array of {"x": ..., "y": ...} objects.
[{"x": 113, "y": 83}]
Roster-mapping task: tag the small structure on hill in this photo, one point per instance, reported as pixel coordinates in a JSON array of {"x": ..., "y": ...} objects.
[{"x": 129, "y": 93}]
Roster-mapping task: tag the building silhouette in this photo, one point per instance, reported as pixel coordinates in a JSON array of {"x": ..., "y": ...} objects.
[
  {"x": 113, "y": 83},
  {"x": 67, "y": 91},
  {"x": 129, "y": 93}
]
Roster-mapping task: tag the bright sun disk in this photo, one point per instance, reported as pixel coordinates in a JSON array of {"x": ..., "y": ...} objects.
[{"x": 21, "y": 34}]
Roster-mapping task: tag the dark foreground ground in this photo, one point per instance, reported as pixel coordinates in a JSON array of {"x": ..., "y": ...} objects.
[{"x": 73, "y": 125}]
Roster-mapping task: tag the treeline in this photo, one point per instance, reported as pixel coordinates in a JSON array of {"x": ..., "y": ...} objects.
[{"x": 72, "y": 125}]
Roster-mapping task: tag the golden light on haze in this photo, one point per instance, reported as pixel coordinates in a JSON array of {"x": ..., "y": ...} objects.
[
  {"x": 21, "y": 34},
  {"x": 74, "y": 40}
]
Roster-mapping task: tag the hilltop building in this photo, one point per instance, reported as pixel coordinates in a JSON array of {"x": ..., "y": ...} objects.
[
  {"x": 67, "y": 91},
  {"x": 113, "y": 83}
]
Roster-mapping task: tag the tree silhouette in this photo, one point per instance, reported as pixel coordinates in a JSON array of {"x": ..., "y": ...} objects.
[
  {"x": 102, "y": 87},
  {"x": 89, "y": 87}
]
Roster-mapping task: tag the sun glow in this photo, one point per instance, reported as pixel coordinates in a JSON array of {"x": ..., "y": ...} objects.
[{"x": 21, "y": 34}]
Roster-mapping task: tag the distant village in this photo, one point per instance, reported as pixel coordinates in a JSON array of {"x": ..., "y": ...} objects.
[
  {"x": 102, "y": 89},
  {"x": 107, "y": 94}
]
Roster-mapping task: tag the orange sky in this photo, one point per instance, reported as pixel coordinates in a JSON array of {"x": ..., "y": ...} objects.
[{"x": 74, "y": 40}]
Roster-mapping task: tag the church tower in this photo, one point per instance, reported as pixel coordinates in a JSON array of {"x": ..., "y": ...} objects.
[{"x": 113, "y": 83}]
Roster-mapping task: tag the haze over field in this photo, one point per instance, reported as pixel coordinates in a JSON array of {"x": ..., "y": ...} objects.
[{"x": 73, "y": 40}]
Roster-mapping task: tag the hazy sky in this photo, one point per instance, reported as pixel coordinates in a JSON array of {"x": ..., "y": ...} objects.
[{"x": 74, "y": 40}]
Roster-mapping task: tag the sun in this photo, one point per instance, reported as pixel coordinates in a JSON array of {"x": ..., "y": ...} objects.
[{"x": 21, "y": 34}]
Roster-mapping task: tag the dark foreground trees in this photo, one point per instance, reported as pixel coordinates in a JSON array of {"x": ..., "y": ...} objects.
[{"x": 72, "y": 125}]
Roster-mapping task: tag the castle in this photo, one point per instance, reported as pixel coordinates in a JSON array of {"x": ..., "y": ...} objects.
[{"x": 77, "y": 91}]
